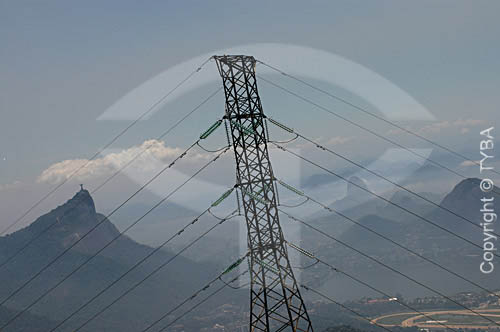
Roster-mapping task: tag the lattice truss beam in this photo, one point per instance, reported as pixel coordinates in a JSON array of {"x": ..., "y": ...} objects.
[{"x": 275, "y": 300}]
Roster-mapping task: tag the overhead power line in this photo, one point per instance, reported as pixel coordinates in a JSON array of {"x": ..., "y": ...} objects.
[
  {"x": 389, "y": 267},
  {"x": 229, "y": 216},
  {"x": 382, "y": 198},
  {"x": 95, "y": 155},
  {"x": 200, "y": 303},
  {"x": 361, "y": 282},
  {"x": 114, "y": 239},
  {"x": 140, "y": 153},
  {"x": 323, "y": 148},
  {"x": 204, "y": 288},
  {"x": 408, "y": 131},
  {"x": 307, "y": 288},
  {"x": 138, "y": 263},
  {"x": 356, "y": 222},
  {"x": 309, "y": 101}
]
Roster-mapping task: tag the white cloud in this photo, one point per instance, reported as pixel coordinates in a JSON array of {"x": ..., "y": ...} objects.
[
  {"x": 463, "y": 125},
  {"x": 13, "y": 185},
  {"x": 397, "y": 131},
  {"x": 460, "y": 123},
  {"x": 469, "y": 163},
  {"x": 337, "y": 140},
  {"x": 154, "y": 151}
]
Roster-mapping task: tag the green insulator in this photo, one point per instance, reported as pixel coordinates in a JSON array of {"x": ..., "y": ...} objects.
[
  {"x": 210, "y": 130},
  {"x": 289, "y": 187},
  {"x": 223, "y": 197},
  {"x": 246, "y": 131},
  {"x": 234, "y": 265},
  {"x": 282, "y": 126}
]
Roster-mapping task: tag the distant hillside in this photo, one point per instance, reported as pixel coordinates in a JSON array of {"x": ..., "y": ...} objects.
[
  {"x": 73, "y": 219},
  {"x": 464, "y": 199},
  {"x": 183, "y": 276},
  {"x": 29, "y": 322},
  {"x": 368, "y": 241},
  {"x": 413, "y": 233}
]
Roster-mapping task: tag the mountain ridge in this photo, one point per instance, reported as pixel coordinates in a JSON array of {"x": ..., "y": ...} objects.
[{"x": 70, "y": 222}]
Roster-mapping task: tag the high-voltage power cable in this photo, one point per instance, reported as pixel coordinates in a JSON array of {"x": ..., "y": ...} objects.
[
  {"x": 115, "y": 238},
  {"x": 201, "y": 290},
  {"x": 142, "y": 260},
  {"x": 356, "y": 222},
  {"x": 324, "y": 148},
  {"x": 95, "y": 155},
  {"x": 307, "y": 288},
  {"x": 387, "y": 267},
  {"x": 361, "y": 282},
  {"x": 137, "y": 284},
  {"x": 132, "y": 160},
  {"x": 382, "y": 198},
  {"x": 226, "y": 284},
  {"x": 380, "y": 118},
  {"x": 309, "y": 101}
]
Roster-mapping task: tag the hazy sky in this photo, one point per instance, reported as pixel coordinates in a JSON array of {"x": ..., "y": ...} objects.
[{"x": 63, "y": 63}]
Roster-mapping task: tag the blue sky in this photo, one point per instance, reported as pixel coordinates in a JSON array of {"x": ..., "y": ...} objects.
[{"x": 64, "y": 63}]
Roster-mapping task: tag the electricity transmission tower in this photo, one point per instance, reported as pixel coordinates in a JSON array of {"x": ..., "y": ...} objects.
[{"x": 275, "y": 300}]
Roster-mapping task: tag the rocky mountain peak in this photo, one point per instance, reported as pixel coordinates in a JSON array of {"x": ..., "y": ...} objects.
[
  {"x": 465, "y": 200},
  {"x": 466, "y": 193},
  {"x": 81, "y": 201},
  {"x": 75, "y": 216}
]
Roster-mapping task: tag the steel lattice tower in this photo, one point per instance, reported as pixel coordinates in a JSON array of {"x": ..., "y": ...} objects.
[{"x": 275, "y": 300}]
